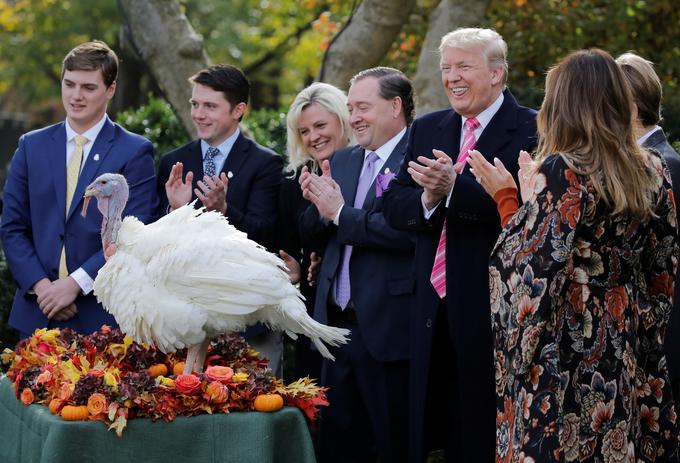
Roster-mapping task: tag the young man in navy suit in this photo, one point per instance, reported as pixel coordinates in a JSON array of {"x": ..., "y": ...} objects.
[
  {"x": 227, "y": 172},
  {"x": 365, "y": 282},
  {"x": 435, "y": 195},
  {"x": 53, "y": 252}
]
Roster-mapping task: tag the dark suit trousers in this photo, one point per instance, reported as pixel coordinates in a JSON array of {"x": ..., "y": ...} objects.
[
  {"x": 367, "y": 417},
  {"x": 457, "y": 419}
]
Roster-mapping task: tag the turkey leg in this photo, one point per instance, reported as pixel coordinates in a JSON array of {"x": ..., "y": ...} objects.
[{"x": 196, "y": 357}]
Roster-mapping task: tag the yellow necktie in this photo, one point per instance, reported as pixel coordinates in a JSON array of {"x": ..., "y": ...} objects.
[{"x": 72, "y": 173}]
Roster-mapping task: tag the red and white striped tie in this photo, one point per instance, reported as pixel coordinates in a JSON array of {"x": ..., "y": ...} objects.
[{"x": 438, "y": 276}]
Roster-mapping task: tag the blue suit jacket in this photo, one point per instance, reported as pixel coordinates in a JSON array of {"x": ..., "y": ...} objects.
[
  {"x": 381, "y": 272},
  {"x": 33, "y": 227},
  {"x": 252, "y": 194},
  {"x": 473, "y": 225}
]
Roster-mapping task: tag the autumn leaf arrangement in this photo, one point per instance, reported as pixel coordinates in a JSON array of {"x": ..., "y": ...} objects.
[{"x": 108, "y": 377}]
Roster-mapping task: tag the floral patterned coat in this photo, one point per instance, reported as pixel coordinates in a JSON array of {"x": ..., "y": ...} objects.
[{"x": 579, "y": 303}]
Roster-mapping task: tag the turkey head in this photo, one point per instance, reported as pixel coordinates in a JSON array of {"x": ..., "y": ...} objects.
[{"x": 111, "y": 191}]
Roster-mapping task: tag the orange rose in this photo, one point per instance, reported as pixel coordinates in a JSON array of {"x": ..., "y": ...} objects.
[
  {"x": 216, "y": 392},
  {"x": 97, "y": 404},
  {"x": 187, "y": 384},
  {"x": 27, "y": 396},
  {"x": 221, "y": 374}
]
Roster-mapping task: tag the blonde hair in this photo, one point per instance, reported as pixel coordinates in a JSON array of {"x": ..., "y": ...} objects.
[
  {"x": 329, "y": 98},
  {"x": 587, "y": 118},
  {"x": 645, "y": 85},
  {"x": 495, "y": 48}
]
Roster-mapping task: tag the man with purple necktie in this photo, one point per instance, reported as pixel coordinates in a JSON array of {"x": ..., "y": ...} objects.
[
  {"x": 365, "y": 282},
  {"x": 435, "y": 195}
]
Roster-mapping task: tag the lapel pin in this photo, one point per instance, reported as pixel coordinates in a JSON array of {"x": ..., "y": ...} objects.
[
  {"x": 230, "y": 174},
  {"x": 96, "y": 157}
]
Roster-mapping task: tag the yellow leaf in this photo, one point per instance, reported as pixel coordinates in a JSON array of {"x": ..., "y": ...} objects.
[{"x": 70, "y": 371}]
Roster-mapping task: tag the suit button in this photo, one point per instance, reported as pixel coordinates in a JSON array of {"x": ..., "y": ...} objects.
[{"x": 428, "y": 323}]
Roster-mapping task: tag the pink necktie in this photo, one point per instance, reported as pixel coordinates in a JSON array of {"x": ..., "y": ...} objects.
[{"x": 438, "y": 276}]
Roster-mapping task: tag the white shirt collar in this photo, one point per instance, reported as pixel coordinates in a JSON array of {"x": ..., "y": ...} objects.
[
  {"x": 91, "y": 133},
  {"x": 386, "y": 149},
  {"x": 485, "y": 116},
  {"x": 644, "y": 138},
  {"x": 225, "y": 146}
]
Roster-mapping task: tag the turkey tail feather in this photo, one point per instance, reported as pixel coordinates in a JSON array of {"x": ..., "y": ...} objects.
[{"x": 294, "y": 318}]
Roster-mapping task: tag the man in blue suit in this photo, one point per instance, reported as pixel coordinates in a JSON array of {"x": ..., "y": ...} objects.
[
  {"x": 435, "y": 195},
  {"x": 53, "y": 251},
  {"x": 365, "y": 282},
  {"x": 227, "y": 172}
]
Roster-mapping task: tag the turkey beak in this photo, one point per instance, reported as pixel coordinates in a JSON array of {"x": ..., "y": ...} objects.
[{"x": 89, "y": 193}]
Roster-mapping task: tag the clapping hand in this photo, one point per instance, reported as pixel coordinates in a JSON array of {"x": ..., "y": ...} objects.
[
  {"x": 177, "y": 190},
  {"x": 322, "y": 191},
  {"x": 492, "y": 177},
  {"x": 436, "y": 176},
  {"x": 212, "y": 192},
  {"x": 527, "y": 176}
]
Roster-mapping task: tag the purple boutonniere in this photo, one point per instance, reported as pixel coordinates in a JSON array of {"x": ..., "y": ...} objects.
[{"x": 382, "y": 181}]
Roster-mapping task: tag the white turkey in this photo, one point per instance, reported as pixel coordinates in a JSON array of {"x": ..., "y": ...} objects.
[{"x": 190, "y": 275}]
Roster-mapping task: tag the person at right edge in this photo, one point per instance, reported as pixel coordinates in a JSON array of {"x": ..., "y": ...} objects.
[
  {"x": 647, "y": 91},
  {"x": 434, "y": 194}
]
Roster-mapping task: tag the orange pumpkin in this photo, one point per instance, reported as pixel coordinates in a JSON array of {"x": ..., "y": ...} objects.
[
  {"x": 268, "y": 402},
  {"x": 55, "y": 406},
  {"x": 75, "y": 412},
  {"x": 178, "y": 369},
  {"x": 158, "y": 369}
]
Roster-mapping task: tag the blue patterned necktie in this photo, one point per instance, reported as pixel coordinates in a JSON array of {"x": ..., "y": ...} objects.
[
  {"x": 209, "y": 161},
  {"x": 342, "y": 291}
]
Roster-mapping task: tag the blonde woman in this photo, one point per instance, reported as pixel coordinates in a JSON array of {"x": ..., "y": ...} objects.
[
  {"x": 318, "y": 125},
  {"x": 581, "y": 283}
]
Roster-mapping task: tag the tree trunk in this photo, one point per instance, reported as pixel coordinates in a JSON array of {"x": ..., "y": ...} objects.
[
  {"x": 172, "y": 50},
  {"x": 365, "y": 40},
  {"x": 449, "y": 15}
]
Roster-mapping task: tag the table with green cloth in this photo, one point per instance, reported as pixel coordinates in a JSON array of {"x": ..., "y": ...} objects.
[{"x": 32, "y": 434}]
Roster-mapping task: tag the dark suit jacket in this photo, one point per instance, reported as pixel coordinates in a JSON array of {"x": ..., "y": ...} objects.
[
  {"x": 252, "y": 191},
  {"x": 381, "y": 277},
  {"x": 33, "y": 226},
  {"x": 658, "y": 142},
  {"x": 472, "y": 228}
]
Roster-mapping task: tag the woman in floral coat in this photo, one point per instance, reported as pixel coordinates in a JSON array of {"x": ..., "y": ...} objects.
[{"x": 581, "y": 283}]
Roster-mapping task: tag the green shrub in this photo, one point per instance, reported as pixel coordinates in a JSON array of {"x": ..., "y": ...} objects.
[
  {"x": 157, "y": 122},
  {"x": 676, "y": 146},
  {"x": 268, "y": 128}
]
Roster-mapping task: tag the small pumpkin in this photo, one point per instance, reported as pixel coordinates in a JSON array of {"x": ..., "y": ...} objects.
[
  {"x": 178, "y": 368},
  {"x": 75, "y": 412},
  {"x": 268, "y": 402},
  {"x": 159, "y": 369},
  {"x": 55, "y": 406}
]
